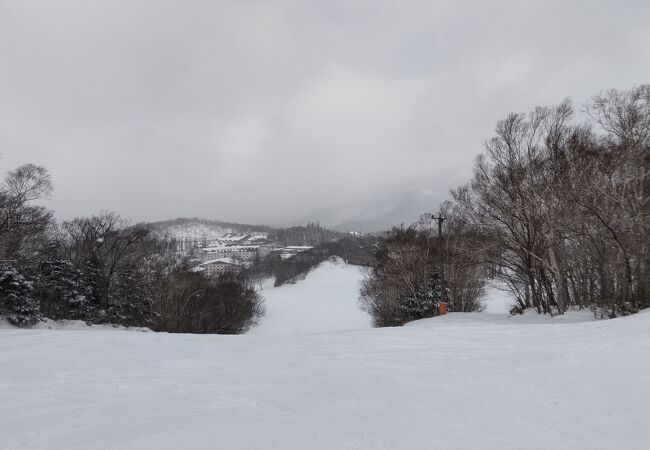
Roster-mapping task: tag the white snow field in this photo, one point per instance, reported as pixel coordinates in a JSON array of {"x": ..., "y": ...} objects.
[
  {"x": 462, "y": 381},
  {"x": 326, "y": 300}
]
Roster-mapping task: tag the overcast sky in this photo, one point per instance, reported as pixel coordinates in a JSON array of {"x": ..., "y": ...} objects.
[{"x": 264, "y": 111}]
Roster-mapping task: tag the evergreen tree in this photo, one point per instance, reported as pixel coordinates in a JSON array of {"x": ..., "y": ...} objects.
[
  {"x": 433, "y": 291},
  {"x": 423, "y": 302},
  {"x": 16, "y": 300},
  {"x": 128, "y": 302},
  {"x": 63, "y": 290},
  {"x": 92, "y": 278}
]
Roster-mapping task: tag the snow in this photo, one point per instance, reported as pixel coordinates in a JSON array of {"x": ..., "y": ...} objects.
[
  {"x": 230, "y": 248},
  {"x": 325, "y": 301},
  {"x": 49, "y": 324},
  {"x": 496, "y": 300},
  {"x": 234, "y": 237},
  {"x": 461, "y": 381},
  {"x": 498, "y": 303},
  {"x": 231, "y": 261},
  {"x": 194, "y": 231}
]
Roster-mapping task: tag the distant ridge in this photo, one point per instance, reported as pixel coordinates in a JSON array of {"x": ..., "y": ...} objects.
[
  {"x": 196, "y": 229},
  {"x": 377, "y": 214},
  {"x": 181, "y": 221}
]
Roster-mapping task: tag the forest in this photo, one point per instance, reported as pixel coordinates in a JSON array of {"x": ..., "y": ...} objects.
[
  {"x": 103, "y": 270},
  {"x": 556, "y": 210}
]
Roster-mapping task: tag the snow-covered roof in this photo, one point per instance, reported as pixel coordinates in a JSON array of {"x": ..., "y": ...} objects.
[
  {"x": 232, "y": 248},
  {"x": 221, "y": 261},
  {"x": 233, "y": 237}
]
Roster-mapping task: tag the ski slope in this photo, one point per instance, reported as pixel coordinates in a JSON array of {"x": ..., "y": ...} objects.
[
  {"x": 462, "y": 381},
  {"x": 326, "y": 300}
]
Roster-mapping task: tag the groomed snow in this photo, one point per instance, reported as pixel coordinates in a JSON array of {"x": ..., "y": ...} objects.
[
  {"x": 462, "y": 381},
  {"x": 326, "y": 300}
]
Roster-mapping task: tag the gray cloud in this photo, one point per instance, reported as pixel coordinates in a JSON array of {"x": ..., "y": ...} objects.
[{"x": 264, "y": 111}]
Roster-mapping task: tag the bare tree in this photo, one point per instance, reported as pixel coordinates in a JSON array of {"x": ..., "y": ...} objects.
[
  {"x": 106, "y": 243},
  {"x": 21, "y": 221},
  {"x": 566, "y": 206}
]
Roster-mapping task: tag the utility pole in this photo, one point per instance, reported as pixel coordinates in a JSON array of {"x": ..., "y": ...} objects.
[{"x": 442, "y": 310}]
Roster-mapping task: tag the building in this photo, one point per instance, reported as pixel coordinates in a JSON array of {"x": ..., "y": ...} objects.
[
  {"x": 243, "y": 254},
  {"x": 258, "y": 238},
  {"x": 293, "y": 250},
  {"x": 219, "y": 266}
]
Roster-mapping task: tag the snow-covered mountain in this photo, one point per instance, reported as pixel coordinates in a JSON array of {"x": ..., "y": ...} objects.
[
  {"x": 377, "y": 214},
  {"x": 202, "y": 229},
  {"x": 373, "y": 215}
]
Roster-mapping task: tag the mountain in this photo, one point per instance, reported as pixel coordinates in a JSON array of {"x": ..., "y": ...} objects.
[
  {"x": 200, "y": 229},
  {"x": 377, "y": 214}
]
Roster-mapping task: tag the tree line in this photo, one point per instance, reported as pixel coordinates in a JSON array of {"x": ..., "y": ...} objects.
[
  {"x": 564, "y": 205},
  {"x": 102, "y": 269},
  {"x": 557, "y": 209},
  {"x": 310, "y": 234},
  {"x": 405, "y": 282}
]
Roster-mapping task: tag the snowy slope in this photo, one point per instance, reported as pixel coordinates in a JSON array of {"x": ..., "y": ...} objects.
[
  {"x": 313, "y": 375},
  {"x": 476, "y": 381},
  {"x": 326, "y": 300}
]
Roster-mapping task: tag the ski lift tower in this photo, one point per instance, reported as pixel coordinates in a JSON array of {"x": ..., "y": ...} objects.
[{"x": 442, "y": 309}]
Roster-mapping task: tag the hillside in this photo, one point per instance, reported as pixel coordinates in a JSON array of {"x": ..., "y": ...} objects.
[
  {"x": 198, "y": 229},
  {"x": 202, "y": 230},
  {"x": 481, "y": 381}
]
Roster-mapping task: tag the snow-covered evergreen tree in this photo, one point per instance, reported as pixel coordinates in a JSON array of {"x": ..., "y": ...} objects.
[
  {"x": 63, "y": 290},
  {"x": 423, "y": 302},
  {"x": 16, "y": 300},
  {"x": 128, "y": 301}
]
